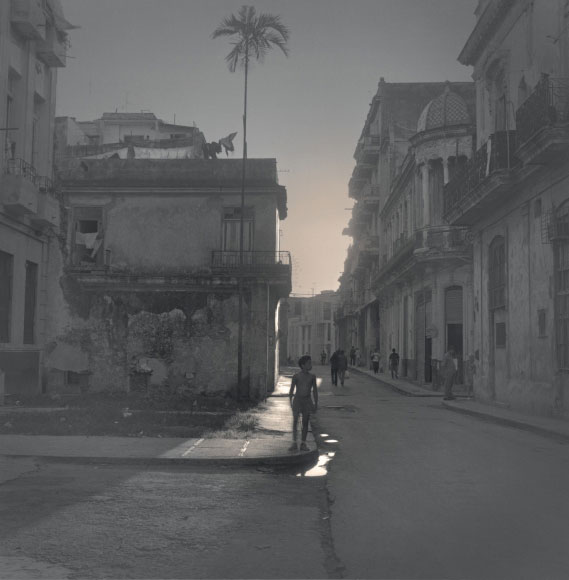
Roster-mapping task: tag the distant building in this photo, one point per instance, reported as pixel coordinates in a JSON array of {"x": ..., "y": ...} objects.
[
  {"x": 514, "y": 195},
  {"x": 311, "y": 325},
  {"x": 150, "y": 274},
  {"x": 33, "y": 45},
  {"x": 407, "y": 273},
  {"x": 137, "y": 135}
]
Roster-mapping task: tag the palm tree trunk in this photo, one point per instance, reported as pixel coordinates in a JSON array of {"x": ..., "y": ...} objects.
[{"x": 240, "y": 386}]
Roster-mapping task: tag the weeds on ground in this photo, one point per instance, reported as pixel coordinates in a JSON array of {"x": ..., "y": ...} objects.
[{"x": 239, "y": 426}]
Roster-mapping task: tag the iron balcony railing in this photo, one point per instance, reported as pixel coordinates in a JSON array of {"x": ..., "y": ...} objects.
[
  {"x": 251, "y": 259},
  {"x": 547, "y": 105},
  {"x": 17, "y": 166},
  {"x": 496, "y": 154},
  {"x": 443, "y": 238}
]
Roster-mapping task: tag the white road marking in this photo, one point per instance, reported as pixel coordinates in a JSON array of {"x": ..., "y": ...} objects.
[{"x": 188, "y": 451}]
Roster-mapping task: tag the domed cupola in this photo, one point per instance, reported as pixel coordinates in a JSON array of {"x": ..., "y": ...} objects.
[{"x": 446, "y": 110}]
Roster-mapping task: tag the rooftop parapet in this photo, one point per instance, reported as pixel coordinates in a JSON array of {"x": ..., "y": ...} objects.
[{"x": 189, "y": 173}]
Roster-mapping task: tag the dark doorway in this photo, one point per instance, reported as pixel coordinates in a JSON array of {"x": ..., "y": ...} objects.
[{"x": 428, "y": 356}]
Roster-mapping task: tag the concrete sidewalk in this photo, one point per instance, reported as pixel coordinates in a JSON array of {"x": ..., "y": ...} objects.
[
  {"x": 269, "y": 445},
  {"x": 549, "y": 427}
]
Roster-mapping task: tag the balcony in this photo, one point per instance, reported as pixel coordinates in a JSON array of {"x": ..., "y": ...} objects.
[
  {"x": 53, "y": 50},
  {"x": 543, "y": 121},
  {"x": 367, "y": 151},
  {"x": 443, "y": 243},
  {"x": 48, "y": 214},
  {"x": 484, "y": 182},
  {"x": 23, "y": 191},
  {"x": 18, "y": 187},
  {"x": 252, "y": 260},
  {"x": 28, "y": 18},
  {"x": 370, "y": 197},
  {"x": 369, "y": 245}
]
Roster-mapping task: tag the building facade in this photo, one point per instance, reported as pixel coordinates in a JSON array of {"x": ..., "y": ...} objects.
[
  {"x": 311, "y": 325},
  {"x": 513, "y": 194},
  {"x": 33, "y": 45},
  {"x": 407, "y": 274},
  {"x": 150, "y": 271}
]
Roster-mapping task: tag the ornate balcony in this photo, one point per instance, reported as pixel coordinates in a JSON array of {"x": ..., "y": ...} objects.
[
  {"x": 543, "y": 121},
  {"x": 443, "y": 243},
  {"x": 23, "y": 191},
  {"x": 28, "y": 18},
  {"x": 485, "y": 180},
  {"x": 367, "y": 151},
  {"x": 53, "y": 50}
]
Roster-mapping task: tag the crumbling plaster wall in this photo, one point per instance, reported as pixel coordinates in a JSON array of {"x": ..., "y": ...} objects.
[{"x": 527, "y": 379}]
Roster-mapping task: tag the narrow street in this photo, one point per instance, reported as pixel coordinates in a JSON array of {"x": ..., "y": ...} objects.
[{"x": 412, "y": 491}]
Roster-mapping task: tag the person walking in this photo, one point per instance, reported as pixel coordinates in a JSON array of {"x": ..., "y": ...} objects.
[
  {"x": 323, "y": 357},
  {"x": 334, "y": 367},
  {"x": 353, "y": 356},
  {"x": 342, "y": 366},
  {"x": 448, "y": 369},
  {"x": 375, "y": 356},
  {"x": 304, "y": 383},
  {"x": 394, "y": 364}
]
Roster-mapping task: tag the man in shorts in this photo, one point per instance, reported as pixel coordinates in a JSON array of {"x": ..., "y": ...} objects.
[{"x": 304, "y": 382}]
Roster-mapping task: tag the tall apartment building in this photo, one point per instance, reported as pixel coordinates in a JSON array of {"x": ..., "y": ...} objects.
[{"x": 33, "y": 45}]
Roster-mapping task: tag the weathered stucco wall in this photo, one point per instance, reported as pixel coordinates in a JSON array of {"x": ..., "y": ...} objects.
[{"x": 524, "y": 373}]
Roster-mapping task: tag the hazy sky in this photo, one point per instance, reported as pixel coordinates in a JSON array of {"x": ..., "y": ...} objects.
[{"x": 307, "y": 110}]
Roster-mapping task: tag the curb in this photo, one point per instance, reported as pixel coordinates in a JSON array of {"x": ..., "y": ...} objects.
[
  {"x": 509, "y": 422},
  {"x": 303, "y": 458}
]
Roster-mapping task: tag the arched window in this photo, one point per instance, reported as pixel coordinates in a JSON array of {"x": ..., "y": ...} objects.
[
  {"x": 561, "y": 250},
  {"x": 497, "y": 273}
]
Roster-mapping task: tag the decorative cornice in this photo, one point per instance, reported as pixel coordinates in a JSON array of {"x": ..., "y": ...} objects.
[{"x": 485, "y": 28}]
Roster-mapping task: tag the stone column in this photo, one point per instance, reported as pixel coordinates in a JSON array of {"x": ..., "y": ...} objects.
[{"x": 426, "y": 199}]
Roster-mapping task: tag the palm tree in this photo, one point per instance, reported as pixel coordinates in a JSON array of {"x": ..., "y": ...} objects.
[{"x": 253, "y": 36}]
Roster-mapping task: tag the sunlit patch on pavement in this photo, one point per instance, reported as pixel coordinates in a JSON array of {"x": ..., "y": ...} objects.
[{"x": 318, "y": 470}]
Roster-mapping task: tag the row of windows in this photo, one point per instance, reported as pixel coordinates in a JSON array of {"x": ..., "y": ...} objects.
[{"x": 6, "y": 298}]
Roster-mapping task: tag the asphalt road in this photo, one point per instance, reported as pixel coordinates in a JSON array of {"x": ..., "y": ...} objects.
[
  {"x": 422, "y": 492},
  {"x": 413, "y": 491}
]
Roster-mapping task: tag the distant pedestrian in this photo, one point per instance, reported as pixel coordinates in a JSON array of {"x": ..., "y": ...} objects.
[
  {"x": 358, "y": 357},
  {"x": 353, "y": 356},
  {"x": 470, "y": 371},
  {"x": 334, "y": 367},
  {"x": 304, "y": 383},
  {"x": 342, "y": 366},
  {"x": 394, "y": 364},
  {"x": 375, "y": 356},
  {"x": 448, "y": 370},
  {"x": 323, "y": 357}
]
